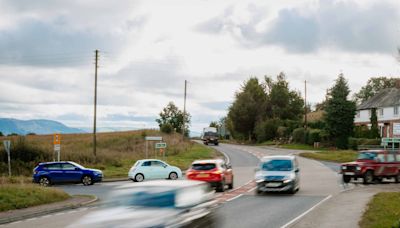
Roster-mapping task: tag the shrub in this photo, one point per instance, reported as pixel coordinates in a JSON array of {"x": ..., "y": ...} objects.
[
  {"x": 355, "y": 143},
  {"x": 299, "y": 135},
  {"x": 282, "y": 132},
  {"x": 317, "y": 124},
  {"x": 166, "y": 128},
  {"x": 267, "y": 130},
  {"x": 314, "y": 135}
]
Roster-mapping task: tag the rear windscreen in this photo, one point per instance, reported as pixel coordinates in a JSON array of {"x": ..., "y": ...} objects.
[{"x": 205, "y": 166}]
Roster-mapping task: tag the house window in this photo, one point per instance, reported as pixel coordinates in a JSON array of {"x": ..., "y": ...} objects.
[
  {"x": 396, "y": 110},
  {"x": 369, "y": 113},
  {"x": 381, "y": 112}
]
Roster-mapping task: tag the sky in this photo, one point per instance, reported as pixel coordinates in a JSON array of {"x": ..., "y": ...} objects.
[{"x": 147, "y": 49}]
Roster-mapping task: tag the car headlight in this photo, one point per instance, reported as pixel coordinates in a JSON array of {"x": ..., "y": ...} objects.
[
  {"x": 285, "y": 181},
  {"x": 344, "y": 167},
  {"x": 358, "y": 168}
]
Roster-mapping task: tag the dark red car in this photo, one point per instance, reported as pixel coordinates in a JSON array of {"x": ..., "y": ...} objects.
[
  {"x": 373, "y": 165},
  {"x": 215, "y": 172}
]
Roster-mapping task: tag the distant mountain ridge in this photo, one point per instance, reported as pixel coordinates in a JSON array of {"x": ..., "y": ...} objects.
[{"x": 39, "y": 126}]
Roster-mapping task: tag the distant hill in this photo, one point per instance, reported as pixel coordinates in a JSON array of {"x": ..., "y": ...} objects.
[{"x": 40, "y": 127}]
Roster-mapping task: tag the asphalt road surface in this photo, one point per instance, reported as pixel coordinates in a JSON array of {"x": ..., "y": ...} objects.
[{"x": 244, "y": 210}]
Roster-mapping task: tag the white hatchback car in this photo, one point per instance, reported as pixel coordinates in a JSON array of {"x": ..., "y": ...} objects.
[{"x": 153, "y": 169}]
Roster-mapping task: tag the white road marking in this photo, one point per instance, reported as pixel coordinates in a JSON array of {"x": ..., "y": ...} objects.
[
  {"x": 306, "y": 212},
  {"x": 234, "y": 198},
  {"x": 251, "y": 190}
]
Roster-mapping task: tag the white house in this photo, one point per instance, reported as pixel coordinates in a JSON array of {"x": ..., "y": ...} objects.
[{"x": 387, "y": 105}]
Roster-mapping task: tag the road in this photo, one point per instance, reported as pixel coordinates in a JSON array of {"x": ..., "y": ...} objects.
[{"x": 244, "y": 209}]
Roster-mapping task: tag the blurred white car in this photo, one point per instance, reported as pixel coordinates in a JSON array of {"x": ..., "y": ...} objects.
[
  {"x": 148, "y": 169},
  {"x": 181, "y": 203}
]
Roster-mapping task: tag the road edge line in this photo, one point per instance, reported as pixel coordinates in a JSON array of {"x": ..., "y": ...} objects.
[
  {"x": 229, "y": 200},
  {"x": 306, "y": 212}
]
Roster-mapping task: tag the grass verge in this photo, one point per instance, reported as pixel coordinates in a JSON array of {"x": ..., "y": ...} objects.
[
  {"x": 339, "y": 156},
  {"x": 382, "y": 211},
  {"x": 17, "y": 196}
]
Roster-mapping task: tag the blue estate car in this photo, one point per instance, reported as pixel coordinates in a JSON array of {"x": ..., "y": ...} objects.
[{"x": 65, "y": 172}]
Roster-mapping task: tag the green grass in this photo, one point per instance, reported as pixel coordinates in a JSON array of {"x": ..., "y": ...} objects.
[
  {"x": 383, "y": 211},
  {"x": 300, "y": 147},
  {"x": 16, "y": 196},
  {"x": 332, "y": 156}
]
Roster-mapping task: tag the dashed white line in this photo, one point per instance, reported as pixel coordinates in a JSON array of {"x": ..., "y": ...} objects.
[
  {"x": 234, "y": 198},
  {"x": 251, "y": 190},
  {"x": 306, "y": 212}
]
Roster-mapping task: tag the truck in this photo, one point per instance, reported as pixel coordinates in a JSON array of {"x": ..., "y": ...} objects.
[{"x": 210, "y": 135}]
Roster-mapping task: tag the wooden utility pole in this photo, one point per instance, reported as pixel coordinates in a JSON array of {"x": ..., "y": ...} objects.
[
  {"x": 305, "y": 104},
  {"x": 95, "y": 102},
  {"x": 184, "y": 112}
]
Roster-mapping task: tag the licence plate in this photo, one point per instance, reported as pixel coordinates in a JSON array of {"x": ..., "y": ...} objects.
[
  {"x": 348, "y": 173},
  {"x": 203, "y": 175},
  {"x": 273, "y": 184}
]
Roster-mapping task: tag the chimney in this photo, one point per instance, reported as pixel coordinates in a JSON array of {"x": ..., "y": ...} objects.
[{"x": 397, "y": 84}]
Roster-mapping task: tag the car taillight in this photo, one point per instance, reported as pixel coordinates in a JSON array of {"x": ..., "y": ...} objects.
[{"x": 217, "y": 172}]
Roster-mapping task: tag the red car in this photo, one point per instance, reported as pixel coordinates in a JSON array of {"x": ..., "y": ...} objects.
[
  {"x": 373, "y": 165},
  {"x": 216, "y": 172}
]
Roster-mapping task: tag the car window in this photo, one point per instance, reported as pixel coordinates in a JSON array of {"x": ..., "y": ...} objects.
[
  {"x": 398, "y": 157},
  {"x": 157, "y": 163},
  {"x": 366, "y": 156},
  {"x": 277, "y": 165},
  {"x": 381, "y": 158},
  {"x": 390, "y": 158},
  {"x": 53, "y": 166},
  {"x": 146, "y": 163},
  {"x": 67, "y": 166},
  {"x": 204, "y": 166}
]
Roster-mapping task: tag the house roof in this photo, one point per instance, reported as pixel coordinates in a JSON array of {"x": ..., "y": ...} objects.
[{"x": 385, "y": 98}]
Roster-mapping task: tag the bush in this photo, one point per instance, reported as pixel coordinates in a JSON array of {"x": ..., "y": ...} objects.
[
  {"x": 317, "y": 125},
  {"x": 314, "y": 135},
  {"x": 299, "y": 135},
  {"x": 267, "y": 130},
  {"x": 282, "y": 132},
  {"x": 355, "y": 143},
  {"x": 166, "y": 128}
]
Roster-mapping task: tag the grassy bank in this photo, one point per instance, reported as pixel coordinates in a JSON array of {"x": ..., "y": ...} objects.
[
  {"x": 116, "y": 151},
  {"x": 383, "y": 211},
  {"x": 16, "y": 196},
  {"x": 339, "y": 156}
]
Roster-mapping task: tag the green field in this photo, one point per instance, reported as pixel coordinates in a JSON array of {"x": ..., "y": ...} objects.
[
  {"x": 339, "y": 156},
  {"x": 17, "y": 196},
  {"x": 383, "y": 211}
]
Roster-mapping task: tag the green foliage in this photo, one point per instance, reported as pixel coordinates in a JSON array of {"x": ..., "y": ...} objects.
[
  {"x": 382, "y": 211},
  {"x": 340, "y": 113},
  {"x": 299, "y": 135},
  {"x": 267, "y": 130},
  {"x": 357, "y": 143},
  {"x": 214, "y": 124},
  {"x": 247, "y": 108},
  {"x": 338, "y": 156},
  {"x": 317, "y": 124},
  {"x": 314, "y": 135},
  {"x": 166, "y": 128},
  {"x": 374, "y": 85},
  {"x": 374, "y": 132},
  {"x": 173, "y": 116},
  {"x": 361, "y": 131}
]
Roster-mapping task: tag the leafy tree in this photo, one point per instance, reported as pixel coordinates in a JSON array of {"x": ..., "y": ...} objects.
[
  {"x": 374, "y": 85},
  {"x": 374, "y": 132},
  {"x": 1, "y": 134},
  {"x": 214, "y": 124},
  {"x": 340, "y": 113},
  {"x": 247, "y": 108},
  {"x": 174, "y": 117}
]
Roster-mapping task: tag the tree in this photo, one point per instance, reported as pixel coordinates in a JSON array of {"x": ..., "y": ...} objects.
[
  {"x": 374, "y": 85},
  {"x": 374, "y": 132},
  {"x": 340, "y": 113},
  {"x": 247, "y": 108},
  {"x": 214, "y": 124},
  {"x": 1, "y": 134},
  {"x": 174, "y": 117}
]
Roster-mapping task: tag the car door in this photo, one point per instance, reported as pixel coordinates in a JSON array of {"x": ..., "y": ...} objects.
[
  {"x": 71, "y": 173},
  {"x": 159, "y": 169},
  {"x": 227, "y": 173},
  {"x": 55, "y": 173},
  {"x": 391, "y": 167},
  {"x": 146, "y": 170}
]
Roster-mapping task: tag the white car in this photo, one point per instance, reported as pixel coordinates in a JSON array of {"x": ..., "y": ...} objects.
[{"x": 148, "y": 169}]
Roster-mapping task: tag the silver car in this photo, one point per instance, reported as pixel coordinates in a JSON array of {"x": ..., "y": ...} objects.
[{"x": 278, "y": 173}]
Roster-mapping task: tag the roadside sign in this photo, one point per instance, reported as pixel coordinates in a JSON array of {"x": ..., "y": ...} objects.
[
  {"x": 57, "y": 147},
  {"x": 161, "y": 145},
  {"x": 396, "y": 129},
  {"x": 153, "y": 138},
  {"x": 57, "y": 139}
]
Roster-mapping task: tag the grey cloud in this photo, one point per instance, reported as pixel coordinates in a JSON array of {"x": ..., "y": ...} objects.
[
  {"x": 212, "y": 26},
  {"x": 120, "y": 117},
  {"x": 221, "y": 105}
]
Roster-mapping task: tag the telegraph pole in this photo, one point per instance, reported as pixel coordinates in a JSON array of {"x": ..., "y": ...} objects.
[
  {"x": 184, "y": 112},
  {"x": 95, "y": 102},
  {"x": 305, "y": 104}
]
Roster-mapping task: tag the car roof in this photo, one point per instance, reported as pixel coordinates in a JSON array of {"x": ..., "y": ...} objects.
[
  {"x": 208, "y": 161},
  {"x": 379, "y": 151},
  {"x": 144, "y": 160},
  {"x": 49, "y": 163},
  {"x": 172, "y": 184},
  {"x": 278, "y": 157}
]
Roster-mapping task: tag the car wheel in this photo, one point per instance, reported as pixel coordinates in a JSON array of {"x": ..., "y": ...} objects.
[
  {"x": 173, "y": 176},
  {"x": 292, "y": 190},
  {"x": 44, "y": 181},
  {"x": 258, "y": 192},
  {"x": 346, "y": 179},
  {"x": 368, "y": 177},
  {"x": 139, "y": 177},
  {"x": 87, "y": 180},
  {"x": 221, "y": 186},
  {"x": 397, "y": 177},
  {"x": 230, "y": 186},
  {"x": 216, "y": 144}
]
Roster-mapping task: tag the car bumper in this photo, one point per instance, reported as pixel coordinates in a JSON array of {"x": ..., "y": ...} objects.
[{"x": 276, "y": 187}]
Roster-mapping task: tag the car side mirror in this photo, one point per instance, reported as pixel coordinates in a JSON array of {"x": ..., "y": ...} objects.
[
  {"x": 165, "y": 166},
  {"x": 229, "y": 166},
  {"x": 77, "y": 169},
  {"x": 297, "y": 170}
]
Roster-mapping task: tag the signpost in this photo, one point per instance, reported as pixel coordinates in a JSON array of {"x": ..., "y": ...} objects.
[
  {"x": 57, "y": 145},
  {"x": 385, "y": 142},
  {"x": 161, "y": 145},
  {"x": 7, "y": 146},
  {"x": 152, "y": 138}
]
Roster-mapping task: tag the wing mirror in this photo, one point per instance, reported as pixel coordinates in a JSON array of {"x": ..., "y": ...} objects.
[
  {"x": 77, "y": 169},
  {"x": 297, "y": 170},
  {"x": 229, "y": 166}
]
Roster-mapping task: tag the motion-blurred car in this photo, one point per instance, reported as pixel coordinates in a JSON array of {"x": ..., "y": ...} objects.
[
  {"x": 181, "y": 203},
  {"x": 216, "y": 172},
  {"x": 48, "y": 173},
  {"x": 148, "y": 169},
  {"x": 278, "y": 174}
]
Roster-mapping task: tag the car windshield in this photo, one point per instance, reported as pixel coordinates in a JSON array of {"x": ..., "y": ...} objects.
[
  {"x": 203, "y": 166},
  {"x": 77, "y": 165},
  {"x": 366, "y": 156},
  {"x": 146, "y": 199},
  {"x": 277, "y": 165},
  {"x": 211, "y": 134}
]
